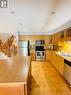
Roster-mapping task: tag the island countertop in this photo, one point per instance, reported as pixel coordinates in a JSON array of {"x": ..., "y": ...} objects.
[{"x": 14, "y": 70}]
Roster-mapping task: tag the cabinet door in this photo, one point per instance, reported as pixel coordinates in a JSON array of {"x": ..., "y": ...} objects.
[
  {"x": 63, "y": 35},
  {"x": 47, "y": 55},
  {"x": 32, "y": 56},
  {"x": 68, "y": 34},
  {"x": 56, "y": 60},
  {"x": 59, "y": 64},
  {"x": 55, "y": 41},
  {"x": 12, "y": 89}
]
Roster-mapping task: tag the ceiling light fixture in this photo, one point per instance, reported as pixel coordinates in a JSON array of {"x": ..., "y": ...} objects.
[
  {"x": 52, "y": 13},
  {"x": 12, "y": 12},
  {"x": 21, "y": 23}
]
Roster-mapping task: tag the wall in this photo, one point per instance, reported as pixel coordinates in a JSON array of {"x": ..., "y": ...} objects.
[
  {"x": 66, "y": 46},
  {"x": 33, "y": 38},
  {"x": 4, "y": 36}
]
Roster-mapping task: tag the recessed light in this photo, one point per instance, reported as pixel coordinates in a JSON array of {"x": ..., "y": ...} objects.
[
  {"x": 12, "y": 12},
  {"x": 20, "y": 23},
  {"x": 52, "y": 13}
]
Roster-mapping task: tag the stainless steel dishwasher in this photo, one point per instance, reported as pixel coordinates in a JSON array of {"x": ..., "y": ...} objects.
[{"x": 67, "y": 71}]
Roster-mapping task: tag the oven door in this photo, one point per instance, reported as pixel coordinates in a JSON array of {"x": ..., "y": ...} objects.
[
  {"x": 67, "y": 73},
  {"x": 40, "y": 55}
]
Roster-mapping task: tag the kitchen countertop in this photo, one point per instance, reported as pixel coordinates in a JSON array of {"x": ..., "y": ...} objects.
[
  {"x": 14, "y": 70},
  {"x": 3, "y": 56},
  {"x": 64, "y": 55}
]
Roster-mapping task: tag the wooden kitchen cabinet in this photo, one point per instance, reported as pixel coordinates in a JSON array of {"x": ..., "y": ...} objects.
[
  {"x": 65, "y": 35},
  {"x": 56, "y": 60},
  {"x": 32, "y": 56},
  {"x": 58, "y": 63},
  {"x": 62, "y": 35},
  {"x": 68, "y": 34},
  {"x": 55, "y": 41},
  {"x": 49, "y": 55},
  {"x": 15, "y": 76}
]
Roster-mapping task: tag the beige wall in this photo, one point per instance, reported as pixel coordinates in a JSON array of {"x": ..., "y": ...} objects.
[
  {"x": 33, "y": 38},
  {"x": 4, "y": 36}
]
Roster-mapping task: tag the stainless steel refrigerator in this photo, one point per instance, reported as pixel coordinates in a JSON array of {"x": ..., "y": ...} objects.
[{"x": 24, "y": 48}]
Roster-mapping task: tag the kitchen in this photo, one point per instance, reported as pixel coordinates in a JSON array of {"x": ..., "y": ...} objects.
[{"x": 35, "y": 47}]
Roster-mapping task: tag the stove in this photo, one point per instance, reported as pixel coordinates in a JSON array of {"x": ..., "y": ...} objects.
[{"x": 40, "y": 53}]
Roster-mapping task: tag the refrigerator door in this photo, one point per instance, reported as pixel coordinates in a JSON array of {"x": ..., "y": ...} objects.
[
  {"x": 23, "y": 51},
  {"x": 23, "y": 44},
  {"x": 24, "y": 48}
]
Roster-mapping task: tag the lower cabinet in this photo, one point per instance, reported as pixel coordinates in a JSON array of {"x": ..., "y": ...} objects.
[
  {"x": 32, "y": 56},
  {"x": 56, "y": 60},
  {"x": 49, "y": 55},
  {"x": 17, "y": 88}
]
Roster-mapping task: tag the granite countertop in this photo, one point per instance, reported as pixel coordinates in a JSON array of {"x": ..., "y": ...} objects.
[
  {"x": 64, "y": 55},
  {"x": 14, "y": 70}
]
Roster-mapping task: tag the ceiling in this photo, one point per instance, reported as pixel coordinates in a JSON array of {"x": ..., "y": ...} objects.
[{"x": 34, "y": 16}]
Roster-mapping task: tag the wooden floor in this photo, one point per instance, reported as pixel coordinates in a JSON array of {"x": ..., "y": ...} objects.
[{"x": 47, "y": 81}]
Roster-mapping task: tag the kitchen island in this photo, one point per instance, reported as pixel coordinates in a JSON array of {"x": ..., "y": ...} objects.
[{"x": 15, "y": 76}]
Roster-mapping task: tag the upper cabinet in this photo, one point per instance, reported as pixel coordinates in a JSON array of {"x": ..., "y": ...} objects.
[
  {"x": 68, "y": 34},
  {"x": 50, "y": 39},
  {"x": 62, "y": 35}
]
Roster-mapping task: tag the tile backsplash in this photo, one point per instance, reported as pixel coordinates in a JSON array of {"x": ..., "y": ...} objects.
[{"x": 66, "y": 46}]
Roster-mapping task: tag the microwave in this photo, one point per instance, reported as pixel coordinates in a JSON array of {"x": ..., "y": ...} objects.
[{"x": 40, "y": 42}]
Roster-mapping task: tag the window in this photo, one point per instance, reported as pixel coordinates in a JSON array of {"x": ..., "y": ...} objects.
[{"x": 3, "y": 3}]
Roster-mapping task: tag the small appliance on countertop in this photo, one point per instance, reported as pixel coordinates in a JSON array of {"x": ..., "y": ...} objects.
[{"x": 40, "y": 42}]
